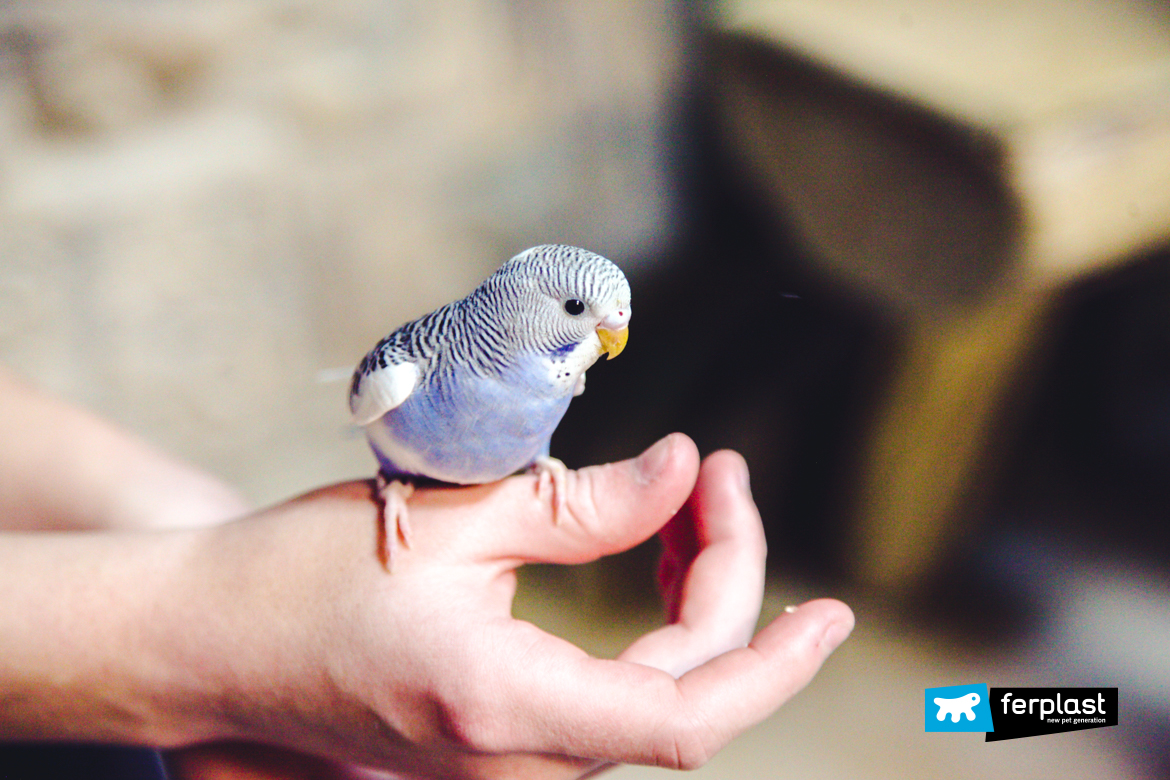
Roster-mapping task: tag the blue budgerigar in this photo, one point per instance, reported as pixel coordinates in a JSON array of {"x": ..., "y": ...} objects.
[{"x": 472, "y": 392}]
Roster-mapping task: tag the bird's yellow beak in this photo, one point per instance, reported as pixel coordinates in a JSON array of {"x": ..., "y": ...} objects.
[{"x": 613, "y": 341}]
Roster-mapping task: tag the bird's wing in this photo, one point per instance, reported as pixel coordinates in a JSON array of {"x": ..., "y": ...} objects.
[{"x": 385, "y": 378}]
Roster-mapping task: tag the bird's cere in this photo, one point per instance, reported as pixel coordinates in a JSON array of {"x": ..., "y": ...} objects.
[{"x": 614, "y": 329}]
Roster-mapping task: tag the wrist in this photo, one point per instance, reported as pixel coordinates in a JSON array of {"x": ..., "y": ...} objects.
[{"x": 239, "y": 650}]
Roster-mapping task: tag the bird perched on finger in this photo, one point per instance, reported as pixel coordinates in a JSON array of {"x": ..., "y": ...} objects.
[{"x": 473, "y": 391}]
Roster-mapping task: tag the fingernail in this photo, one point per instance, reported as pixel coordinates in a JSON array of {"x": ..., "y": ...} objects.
[
  {"x": 653, "y": 461},
  {"x": 836, "y": 633}
]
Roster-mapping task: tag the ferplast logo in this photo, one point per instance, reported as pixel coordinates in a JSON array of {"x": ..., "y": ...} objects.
[
  {"x": 1030, "y": 712},
  {"x": 1011, "y": 713},
  {"x": 958, "y": 708}
]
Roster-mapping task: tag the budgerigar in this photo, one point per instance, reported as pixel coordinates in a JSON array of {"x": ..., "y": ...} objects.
[{"x": 472, "y": 392}]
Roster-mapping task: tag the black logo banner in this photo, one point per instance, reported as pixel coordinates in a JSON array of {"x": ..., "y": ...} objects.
[{"x": 1029, "y": 712}]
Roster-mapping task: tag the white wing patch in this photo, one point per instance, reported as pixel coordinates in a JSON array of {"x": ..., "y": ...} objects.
[{"x": 382, "y": 390}]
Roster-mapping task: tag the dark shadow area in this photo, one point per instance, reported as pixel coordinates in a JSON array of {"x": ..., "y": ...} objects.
[
  {"x": 908, "y": 205},
  {"x": 35, "y": 761},
  {"x": 737, "y": 344},
  {"x": 1088, "y": 468},
  {"x": 1095, "y": 456}
]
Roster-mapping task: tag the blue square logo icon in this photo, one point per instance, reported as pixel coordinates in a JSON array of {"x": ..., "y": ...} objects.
[{"x": 958, "y": 708}]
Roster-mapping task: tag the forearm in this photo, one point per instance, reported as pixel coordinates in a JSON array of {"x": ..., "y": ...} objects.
[
  {"x": 177, "y": 637},
  {"x": 64, "y": 468},
  {"x": 79, "y": 656}
]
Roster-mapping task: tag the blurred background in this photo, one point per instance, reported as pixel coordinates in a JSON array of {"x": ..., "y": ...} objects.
[{"x": 909, "y": 257}]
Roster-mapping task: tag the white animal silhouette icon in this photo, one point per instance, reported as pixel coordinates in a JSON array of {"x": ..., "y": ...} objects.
[{"x": 963, "y": 705}]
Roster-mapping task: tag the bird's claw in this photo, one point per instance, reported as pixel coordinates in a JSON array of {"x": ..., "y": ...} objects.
[
  {"x": 393, "y": 520},
  {"x": 553, "y": 473}
]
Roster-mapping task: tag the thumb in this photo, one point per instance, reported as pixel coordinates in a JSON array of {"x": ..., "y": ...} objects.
[{"x": 606, "y": 509}]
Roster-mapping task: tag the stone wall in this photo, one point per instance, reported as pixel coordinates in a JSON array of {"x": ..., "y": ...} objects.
[{"x": 210, "y": 209}]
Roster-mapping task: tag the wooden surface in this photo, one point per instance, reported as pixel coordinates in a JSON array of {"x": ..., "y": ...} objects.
[{"x": 1075, "y": 93}]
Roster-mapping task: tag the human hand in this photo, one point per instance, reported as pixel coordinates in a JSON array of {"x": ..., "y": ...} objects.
[{"x": 306, "y": 643}]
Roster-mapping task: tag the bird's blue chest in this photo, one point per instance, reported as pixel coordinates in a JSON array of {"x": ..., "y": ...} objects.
[{"x": 461, "y": 427}]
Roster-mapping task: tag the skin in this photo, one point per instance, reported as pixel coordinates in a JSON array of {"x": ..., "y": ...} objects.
[
  {"x": 114, "y": 480},
  {"x": 246, "y": 645}
]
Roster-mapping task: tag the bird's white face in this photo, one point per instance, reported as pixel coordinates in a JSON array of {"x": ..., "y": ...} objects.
[
  {"x": 570, "y": 308},
  {"x": 562, "y": 295},
  {"x": 591, "y": 323},
  {"x": 604, "y": 317}
]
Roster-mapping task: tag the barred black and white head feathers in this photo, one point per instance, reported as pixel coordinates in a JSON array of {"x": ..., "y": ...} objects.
[
  {"x": 551, "y": 296},
  {"x": 553, "y": 300}
]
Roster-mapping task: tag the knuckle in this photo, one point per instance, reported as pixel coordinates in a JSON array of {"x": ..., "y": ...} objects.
[
  {"x": 691, "y": 742},
  {"x": 469, "y": 717},
  {"x": 582, "y": 501},
  {"x": 471, "y": 725}
]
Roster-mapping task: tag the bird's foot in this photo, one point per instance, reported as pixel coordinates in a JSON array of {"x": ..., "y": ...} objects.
[
  {"x": 554, "y": 473},
  {"x": 393, "y": 520}
]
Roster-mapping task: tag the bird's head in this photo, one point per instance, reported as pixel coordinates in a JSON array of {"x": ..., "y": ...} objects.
[{"x": 565, "y": 296}]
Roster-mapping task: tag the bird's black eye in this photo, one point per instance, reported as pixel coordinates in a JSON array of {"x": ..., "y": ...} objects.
[{"x": 574, "y": 306}]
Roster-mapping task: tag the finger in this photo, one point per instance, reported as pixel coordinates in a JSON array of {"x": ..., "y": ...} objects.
[
  {"x": 748, "y": 684},
  {"x": 607, "y": 509},
  {"x": 712, "y": 569},
  {"x": 566, "y": 703}
]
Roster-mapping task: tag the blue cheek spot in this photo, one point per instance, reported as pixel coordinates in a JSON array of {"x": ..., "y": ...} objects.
[{"x": 565, "y": 350}]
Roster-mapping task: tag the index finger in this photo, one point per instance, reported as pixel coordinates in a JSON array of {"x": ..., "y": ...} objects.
[{"x": 564, "y": 702}]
